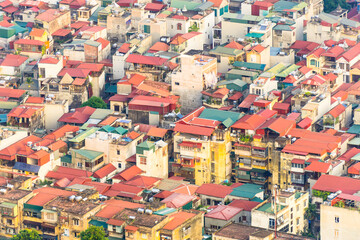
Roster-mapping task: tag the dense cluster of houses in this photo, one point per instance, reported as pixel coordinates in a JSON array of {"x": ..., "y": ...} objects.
[{"x": 225, "y": 119}]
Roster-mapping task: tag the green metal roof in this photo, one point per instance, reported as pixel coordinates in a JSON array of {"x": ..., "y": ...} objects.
[
  {"x": 165, "y": 211},
  {"x": 88, "y": 154},
  {"x": 66, "y": 159},
  {"x": 283, "y": 5},
  {"x": 354, "y": 129},
  {"x": 242, "y": 17},
  {"x": 355, "y": 141},
  {"x": 242, "y": 72},
  {"x": 222, "y": 116},
  {"x": 7, "y": 32},
  {"x": 190, "y": 5},
  {"x": 247, "y": 190},
  {"x": 81, "y": 137},
  {"x": 277, "y": 68},
  {"x": 120, "y": 130},
  {"x": 249, "y": 65},
  {"x": 356, "y": 157},
  {"x": 267, "y": 207},
  {"x": 220, "y": 50},
  {"x": 19, "y": 29},
  {"x": 92, "y": 43},
  {"x": 287, "y": 71},
  {"x": 238, "y": 82},
  {"x": 98, "y": 223},
  {"x": 8, "y": 105},
  {"x": 282, "y": 27},
  {"x": 107, "y": 129},
  {"x": 146, "y": 145},
  {"x": 100, "y": 113},
  {"x": 300, "y": 6},
  {"x": 7, "y": 205},
  {"x": 254, "y": 35}
]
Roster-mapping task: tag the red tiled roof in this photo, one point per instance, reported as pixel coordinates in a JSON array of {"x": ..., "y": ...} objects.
[
  {"x": 31, "y": 99},
  {"x": 333, "y": 184},
  {"x": 281, "y": 106},
  {"x": 249, "y": 122},
  {"x": 79, "y": 81},
  {"x": 351, "y": 53},
  {"x": 93, "y": 67},
  {"x": 258, "y": 48},
  {"x": 109, "y": 211},
  {"x": 75, "y": 72},
  {"x": 143, "y": 181},
  {"x": 234, "y": 45},
  {"x": 64, "y": 182},
  {"x": 124, "y": 48},
  {"x": 49, "y": 15},
  {"x": 128, "y": 173},
  {"x": 155, "y": 7},
  {"x": 131, "y": 228},
  {"x": 70, "y": 173},
  {"x": 354, "y": 169},
  {"x": 236, "y": 96},
  {"x": 5, "y": 3},
  {"x": 10, "y": 9},
  {"x": 12, "y": 60},
  {"x": 317, "y": 166},
  {"x": 223, "y": 212},
  {"x": 29, "y": 42},
  {"x": 190, "y": 144},
  {"x": 104, "y": 171},
  {"x": 204, "y": 131},
  {"x": 157, "y": 132},
  {"x": 159, "y": 46},
  {"x": 36, "y": 32},
  {"x": 177, "y": 200},
  {"x": 248, "y": 101},
  {"x": 263, "y": 4},
  {"x": 244, "y": 204},
  {"x": 61, "y": 32},
  {"x": 104, "y": 42},
  {"x": 148, "y": 60},
  {"x": 49, "y": 60},
  {"x": 81, "y": 115},
  {"x": 178, "y": 219},
  {"x": 282, "y": 126},
  {"x": 100, "y": 187},
  {"x": 133, "y": 135},
  {"x": 336, "y": 111},
  {"x": 115, "y": 222},
  {"x": 349, "y": 154},
  {"x": 24, "y": 111},
  {"x": 61, "y": 132},
  {"x": 305, "y": 123},
  {"x": 214, "y": 190}
]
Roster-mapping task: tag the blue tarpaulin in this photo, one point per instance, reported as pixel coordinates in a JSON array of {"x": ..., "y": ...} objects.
[{"x": 26, "y": 167}]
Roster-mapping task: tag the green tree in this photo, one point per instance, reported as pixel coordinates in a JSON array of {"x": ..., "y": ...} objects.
[
  {"x": 93, "y": 233},
  {"x": 29, "y": 81},
  {"x": 330, "y": 5},
  {"x": 27, "y": 234},
  {"x": 95, "y": 102},
  {"x": 194, "y": 28}
]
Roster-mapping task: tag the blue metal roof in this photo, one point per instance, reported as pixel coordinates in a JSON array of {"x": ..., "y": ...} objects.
[{"x": 26, "y": 167}]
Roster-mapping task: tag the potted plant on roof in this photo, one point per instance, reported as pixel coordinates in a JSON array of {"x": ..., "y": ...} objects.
[{"x": 29, "y": 81}]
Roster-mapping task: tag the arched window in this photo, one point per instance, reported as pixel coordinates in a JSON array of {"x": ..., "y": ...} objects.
[
  {"x": 313, "y": 62},
  {"x": 179, "y": 26}
]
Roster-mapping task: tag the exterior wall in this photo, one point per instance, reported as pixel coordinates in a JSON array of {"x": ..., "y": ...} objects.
[
  {"x": 74, "y": 55},
  {"x": 98, "y": 84},
  {"x": 346, "y": 228},
  {"x": 156, "y": 162},
  {"x": 59, "y": 23},
  {"x": 51, "y": 70},
  {"x": 189, "y": 82},
  {"x": 53, "y": 112},
  {"x": 228, "y": 33}
]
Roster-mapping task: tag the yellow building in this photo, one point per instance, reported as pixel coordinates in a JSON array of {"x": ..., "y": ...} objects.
[
  {"x": 183, "y": 225},
  {"x": 11, "y": 210},
  {"x": 66, "y": 217},
  {"x": 39, "y": 34},
  {"x": 202, "y": 146},
  {"x": 288, "y": 213},
  {"x": 315, "y": 61},
  {"x": 259, "y": 54}
]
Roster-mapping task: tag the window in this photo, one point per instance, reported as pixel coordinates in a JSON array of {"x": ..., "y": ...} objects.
[
  {"x": 179, "y": 26},
  {"x": 143, "y": 160},
  {"x": 305, "y": 204},
  {"x": 76, "y": 234},
  {"x": 337, "y": 220},
  {"x": 76, "y": 221},
  {"x": 146, "y": 28},
  {"x": 243, "y": 218},
  {"x": 313, "y": 62},
  {"x": 143, "y": 235},
  {"x": 79, "y": 165},
  {"x": 64, "y": 164},
  {"x": 9, "y": 221},
  {"x": 119, "y": 165},
  {"x": 336, "y": 233},
  {"x": 118, "y": 152},
  {"x": 50, "y": 216},
  {"x": 342, "y": 65},
  {"x": 271, "y": 223},
  {"x": 297, "y": 207},
  {"x": 215, "y": 12},
  {"x": 116, "y": 108},
  {"x": 297, "y": 221},
  {"x": 177, "y": 83}
]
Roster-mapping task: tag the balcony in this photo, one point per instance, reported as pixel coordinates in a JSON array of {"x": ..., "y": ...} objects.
[{"x": 298, "y": 181}]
